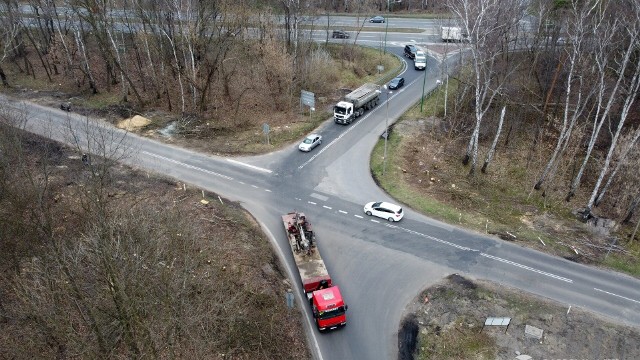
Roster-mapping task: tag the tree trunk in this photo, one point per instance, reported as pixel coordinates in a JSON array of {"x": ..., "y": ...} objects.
[{"x": 492, "y": 150}]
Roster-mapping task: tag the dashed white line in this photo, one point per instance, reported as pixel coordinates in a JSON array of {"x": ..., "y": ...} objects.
[
  {"x": 358, "y": 216},
  {"x": 526, "y": 267},
  {"x": 342, "y": 211},
  {"x": 311, "y": 202},
  {"x": 267, "y": 190},
  {"x": 249, "y": 166},
  {"x": 254, "y": 186},
  {"x": 616, "y": 295},
  {"x": 241, "y": 183},
  {"x": 187, "y": 165},
  {"x": 375, "y": 221},
  {"x": 326, "y": 207}
]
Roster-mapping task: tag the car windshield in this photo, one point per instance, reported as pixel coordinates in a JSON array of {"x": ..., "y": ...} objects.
[
  {"x": 308, "y": 141},
  {"x": 376, "y": 204},
  {"x": 331, "y": 313}
]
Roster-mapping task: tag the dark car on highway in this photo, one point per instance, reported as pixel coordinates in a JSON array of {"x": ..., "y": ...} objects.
[
  {"x": 410, "y": 51},
  {"x": 396, "y": 83},
  {"x": 340, "y": 34},
  {"x": 377, "y": 19}
]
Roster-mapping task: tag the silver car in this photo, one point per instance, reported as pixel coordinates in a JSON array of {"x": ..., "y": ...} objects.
[{"x": 310, "y": 142}]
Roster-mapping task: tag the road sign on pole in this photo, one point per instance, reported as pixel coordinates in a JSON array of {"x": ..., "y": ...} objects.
[
  {"x": 308, "y": 98},
  {"x": 265, "y": 130},
  {"x": 289, "y": 297}
]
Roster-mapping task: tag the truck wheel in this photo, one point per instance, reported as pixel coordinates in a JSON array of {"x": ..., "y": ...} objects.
[{"x": 368, "y": 213}]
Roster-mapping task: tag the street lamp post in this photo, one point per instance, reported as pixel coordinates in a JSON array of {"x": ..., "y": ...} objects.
[
  {"x": 386, "y": 132},
  {"x": 386, "y": 28}
]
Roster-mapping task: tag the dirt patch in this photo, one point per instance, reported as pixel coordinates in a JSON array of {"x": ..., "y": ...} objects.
[
  {"x": 133, "y": 123},
  {"x": 450, "y": 318}
]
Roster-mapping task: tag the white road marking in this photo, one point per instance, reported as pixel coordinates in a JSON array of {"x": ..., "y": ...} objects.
[
  {"x": 526, "y": 267},
  {"x": 254, "y": 186},
  {"x": 311, "y": 202},
  {"x": 342, "y": 211},
  {"x": 241, "y": 182},
  {"x": 267, "y": 190},
  {"x": 187, "y": 165},
  {"x": 483, "y": 254},
  {"x": 375, "y": 221},
  {"x": 616, "y": 295},
  {"x": 326, "y": 207},
  {"x": 249, "y": 166},
  {"x": 436, "y": 239},
  {"x": 358, "y": 216}
]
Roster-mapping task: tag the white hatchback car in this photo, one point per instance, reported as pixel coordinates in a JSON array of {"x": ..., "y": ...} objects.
[
  {"x": 310, "y": 142},
  {"x": 384, "y": 210}
]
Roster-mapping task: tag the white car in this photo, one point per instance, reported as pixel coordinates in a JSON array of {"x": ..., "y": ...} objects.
[
  {"x": 384, "y": 210},
  {"x": 310, "y": 142}
]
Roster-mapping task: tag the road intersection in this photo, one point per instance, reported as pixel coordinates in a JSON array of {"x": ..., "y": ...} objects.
[{"x": 379, "y": 266}]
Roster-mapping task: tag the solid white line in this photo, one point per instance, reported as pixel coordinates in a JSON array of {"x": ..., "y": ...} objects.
[
  {"x": 342, "y": 211},
  {"x": 436, "y": 239},
  {"x": 326, "y": 207},
  {"x": 249, "y": 166},
  {"x": 351, "y": 127},
  {"x": 187, "y": 165},
  {"x": 526, "y": 267},
  {"x": 620, "y": 296}
]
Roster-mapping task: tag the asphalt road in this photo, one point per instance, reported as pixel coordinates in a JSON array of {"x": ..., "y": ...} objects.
[{"x": 379, "y": 266}]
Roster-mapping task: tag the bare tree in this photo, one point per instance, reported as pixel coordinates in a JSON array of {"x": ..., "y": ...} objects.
[
  {"x": 629, "y": 99},
  {"x": 622, "y": 160},
  {"x": 574, "y": 104},
  {"x": 492, "y": 149},
  {"x": 486, "y": 21},
  {"x": 9, "y": 36},
  {"x": 605, "y": 52}
]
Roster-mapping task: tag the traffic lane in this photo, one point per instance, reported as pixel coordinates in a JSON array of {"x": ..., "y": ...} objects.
[
  {"x": 604, "y": 292},
  {"x": 377, "y": 284},
  {"x": 347, "y": 165}
]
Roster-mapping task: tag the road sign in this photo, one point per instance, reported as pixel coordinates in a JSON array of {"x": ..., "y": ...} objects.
[
  {"x": 289, "y": 297},
  {"x": 308, "y": 98}
]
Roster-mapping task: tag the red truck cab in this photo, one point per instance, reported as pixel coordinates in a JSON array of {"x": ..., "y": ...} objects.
[{"x": 328, "y": 308}]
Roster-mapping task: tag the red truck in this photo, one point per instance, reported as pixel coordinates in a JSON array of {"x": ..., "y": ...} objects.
[{"x": 327, "y": 305}]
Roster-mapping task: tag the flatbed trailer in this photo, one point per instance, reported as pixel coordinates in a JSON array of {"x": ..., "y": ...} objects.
[{"x": 328, "y": 307}]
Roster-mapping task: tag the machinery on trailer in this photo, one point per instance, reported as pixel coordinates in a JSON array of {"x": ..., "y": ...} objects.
[{"x": 327, "y": 305}]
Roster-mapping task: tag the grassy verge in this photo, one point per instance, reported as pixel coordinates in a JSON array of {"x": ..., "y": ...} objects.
[{"x": 500, "y": 202}]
